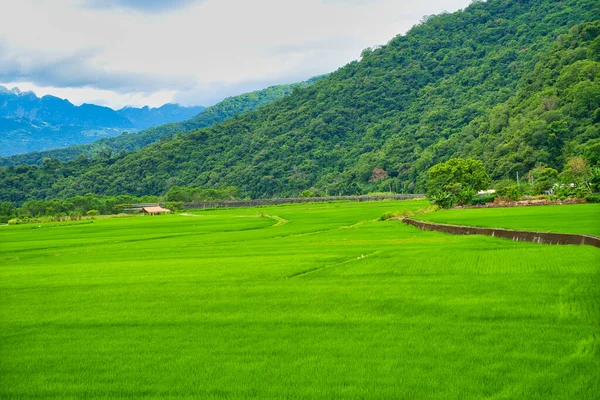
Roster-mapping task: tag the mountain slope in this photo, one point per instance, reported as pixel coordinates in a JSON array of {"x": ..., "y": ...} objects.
[
  {"x": 126, "y": 142},
  {"x": 402, "y": 108},
  {"x": 555, "y": 113}
]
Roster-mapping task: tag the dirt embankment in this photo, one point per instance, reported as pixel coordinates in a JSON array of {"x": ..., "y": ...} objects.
[{"x": 511, "y": 234}]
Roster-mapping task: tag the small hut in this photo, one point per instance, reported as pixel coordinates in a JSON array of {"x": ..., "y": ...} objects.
[{"x": 155, "y": 210}]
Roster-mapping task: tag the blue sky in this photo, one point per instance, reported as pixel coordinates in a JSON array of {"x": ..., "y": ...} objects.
[{"x": 194, "y": 52}]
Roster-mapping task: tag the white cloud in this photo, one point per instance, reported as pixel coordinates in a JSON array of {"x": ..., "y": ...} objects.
[{"x": 116, "y": 51}]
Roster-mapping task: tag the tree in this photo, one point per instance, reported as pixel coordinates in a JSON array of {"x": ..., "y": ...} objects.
[
  {"x": 377, "y": 175},
  {"x": 467, "y": 173},
  {"x": 543, "y": 179},
  {"x": 578, "y": 171},
  {"x": 457, "y": 177}
]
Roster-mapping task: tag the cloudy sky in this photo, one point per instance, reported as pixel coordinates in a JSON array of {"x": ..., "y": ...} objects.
[{"x": 193, "y": 52}]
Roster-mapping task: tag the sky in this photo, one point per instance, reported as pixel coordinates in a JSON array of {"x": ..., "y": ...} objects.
[{"x": 192, "y": 52}]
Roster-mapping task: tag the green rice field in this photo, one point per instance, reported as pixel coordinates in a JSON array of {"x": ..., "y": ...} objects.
[
  {"x": 310, "y": 301},
  {"x": 575, "y": 218}
]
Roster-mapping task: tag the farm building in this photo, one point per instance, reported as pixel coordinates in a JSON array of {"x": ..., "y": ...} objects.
[{"x": 154, "y": 210}]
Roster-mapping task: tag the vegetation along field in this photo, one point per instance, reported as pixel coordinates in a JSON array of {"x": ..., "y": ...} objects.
[
  {"x": 576, "y": 218},
  {"x": 304, "y": 301}
]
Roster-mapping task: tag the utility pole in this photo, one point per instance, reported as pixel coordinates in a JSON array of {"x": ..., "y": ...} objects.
[{"x": 517, "y": 178}]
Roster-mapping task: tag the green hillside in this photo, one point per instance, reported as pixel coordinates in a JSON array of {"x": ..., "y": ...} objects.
[
  {"x": 513, "y": 83},
  {"x": 128, "y": 142}
]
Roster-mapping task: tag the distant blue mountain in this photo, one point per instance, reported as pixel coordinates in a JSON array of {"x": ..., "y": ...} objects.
[
  {"x": 146, "y": 117},
  {"x": 30, "y": 123}
]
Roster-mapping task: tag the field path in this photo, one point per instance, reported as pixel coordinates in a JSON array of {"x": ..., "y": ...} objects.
[{"x": 280, "y": 221}]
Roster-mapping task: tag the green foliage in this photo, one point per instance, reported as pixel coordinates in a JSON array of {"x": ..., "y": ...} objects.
[
  {"x": 190, "y": 195},
  {"x": 578, "y": 171},
  {"x": 7, "y": 211},
  {"x": 481, "y": 200},
  {"x": 307, "y": 193},
  {"x": 443, "y": 199},
  {"x": 592, "y": 198},
  {"x": 79, "y": 205},
  {"x": 544, "y": 179},
  {"x": 174, "y": 205},
  {"x": 456, "y": 181},
  {"x": 507, "y": 83},
  {"x": 510, "y": 192}
]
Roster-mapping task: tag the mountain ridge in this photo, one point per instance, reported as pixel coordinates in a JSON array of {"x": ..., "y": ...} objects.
[
  {"x": 29, "y": 122},
  {"x": 219, "y": 112}
]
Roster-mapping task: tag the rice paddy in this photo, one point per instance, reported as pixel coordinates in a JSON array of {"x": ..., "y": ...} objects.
[{"x": 304, "y": 301}]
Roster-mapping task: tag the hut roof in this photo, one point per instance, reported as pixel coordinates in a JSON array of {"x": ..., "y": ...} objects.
[{"x": 155, "y": 210}]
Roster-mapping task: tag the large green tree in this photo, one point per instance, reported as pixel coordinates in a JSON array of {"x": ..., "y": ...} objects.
[{"x": 456, "y": 180}]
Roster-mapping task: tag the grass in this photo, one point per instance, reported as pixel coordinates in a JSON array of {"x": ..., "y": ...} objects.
[
  {"x": 329, "y": 304},
  {"x": 575, "y": 218}
]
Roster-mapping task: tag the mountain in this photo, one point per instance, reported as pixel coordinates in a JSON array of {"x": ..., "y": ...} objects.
[
  {"x": 220, "y": 112},
  {"x": 28, "y": 122},
  {"x": 513, "y": 83},
  {"x": 51, "y": 110},
  {"x": 143, "y": 118}
]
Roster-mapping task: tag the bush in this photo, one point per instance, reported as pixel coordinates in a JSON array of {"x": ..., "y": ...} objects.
[
  {"x": 511, "y": 192},
  {"x": 593, "y": 198},
  {"x": 174, "y": 205},
  {"x": 465, "y": 196},
  {"x": 481, "y": 200},
  {"x": 92, "y": 213},
  {"x": 443, "y": 200},
  {"x": 397, "y": 214},
  {"x": 388, "y": 215},
  {"x": 307, "y": 193},
  {"x": 75, "y": 215}
]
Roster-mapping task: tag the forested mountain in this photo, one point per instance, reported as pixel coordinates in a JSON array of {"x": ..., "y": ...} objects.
[
  {"x": 29, "y": 123},
  {"x": 126, "y": 142},
  {"x": 513, "y": 83}
]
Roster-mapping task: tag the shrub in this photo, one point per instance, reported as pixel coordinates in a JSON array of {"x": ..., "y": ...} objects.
[
  {"x": 593, "y": 198},
  {"x": 307, "y": 193},
  {"x": 396, "y": 214},
  {"x": 174, "y": 205},
  {"x": 481, "y": 200},
  {"x": 443, "y": 199},
  {"x": 75, "y": 215},
  {"x": 466, "y": 196},
  {"x": 92, "y": 213},
  {"x": 511, "y": 192},
  {"x": 387, "y": 216}
]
